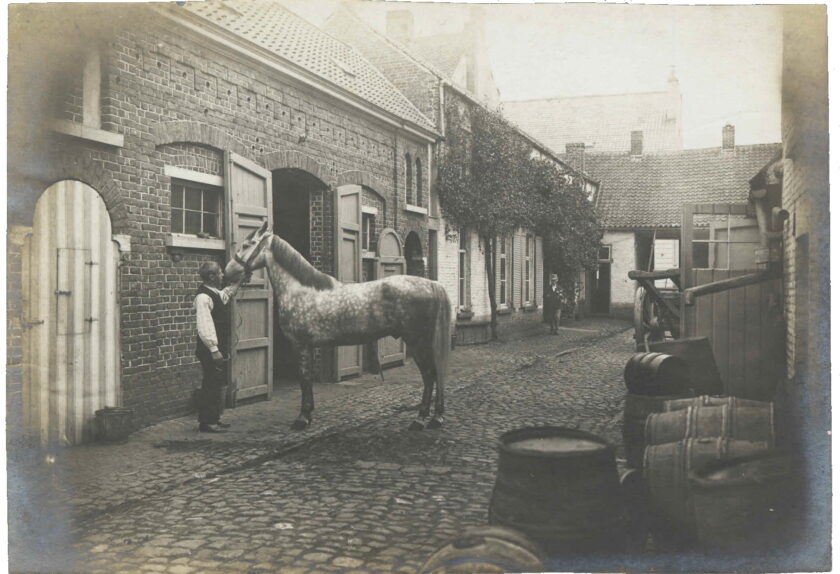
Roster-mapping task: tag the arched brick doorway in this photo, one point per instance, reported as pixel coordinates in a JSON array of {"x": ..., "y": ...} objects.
[{"x": 415, "y": 265}]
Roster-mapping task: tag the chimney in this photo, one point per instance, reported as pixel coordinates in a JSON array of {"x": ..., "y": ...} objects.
[
  {"x": 636, "y": 142},
  {"x": 576, "y": 156},
  {"x": 728, "y": 137},
  {"x": 399, "y": 26}
]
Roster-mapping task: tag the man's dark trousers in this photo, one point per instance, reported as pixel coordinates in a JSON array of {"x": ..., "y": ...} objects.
[{"x": 211, "y": 397}]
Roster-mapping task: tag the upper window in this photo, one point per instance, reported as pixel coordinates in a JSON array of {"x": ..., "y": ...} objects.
[
  {"x": 196, "y": 209},
  {"x": 409, "y": 188},
  {"x": 418, "y": 182},
  {"x": 368, "y": 231}
]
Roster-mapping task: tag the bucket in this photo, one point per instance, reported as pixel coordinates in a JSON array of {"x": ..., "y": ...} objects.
[
  {"x": 712, "y": 401},
  {"x": 696, "y": 352},
  {"x": 744, "y": 505},
  {"x": 636, "y": 411},
  {"x": 560, "y": 488},
  {"x": 666, "y": 470},
  {"x": 490, "y": 549},
  {"x": 656, "y": 374},
  {"x": 114, "y": 423},
  {"x": 725, "y": 421}
]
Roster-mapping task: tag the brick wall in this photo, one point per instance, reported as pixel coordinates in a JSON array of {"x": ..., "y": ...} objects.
[{"x": 180, "y": 102}]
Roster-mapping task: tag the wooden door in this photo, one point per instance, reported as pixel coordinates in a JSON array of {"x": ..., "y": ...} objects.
[
  {"x": 744, "y": 325},
  {"x": 249, "y": 199},
  {"x": 390, "y": 261},
  {"x": 71, "y": 315},
  {"x": 349, "y": 254}
]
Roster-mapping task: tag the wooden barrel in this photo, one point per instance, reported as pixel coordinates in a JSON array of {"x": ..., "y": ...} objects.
[
  {"x": 666, "y": 470},
  {"x": 744, "y": 505},
  {"x": 656, "y": 374},
  {"x": 636, "y": 411},
  {"x": 560, "y": 488},
  {"x": 712, "y": 401},
  {"x": 725, "y": 421},
  {"x": 491, "y": 549}
]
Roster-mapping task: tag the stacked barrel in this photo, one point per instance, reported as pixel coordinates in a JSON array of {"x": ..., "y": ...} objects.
[{"x": 686, "y": 437}]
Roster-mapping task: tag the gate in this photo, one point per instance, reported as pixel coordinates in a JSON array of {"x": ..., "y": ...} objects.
[
  {"x": 251, "y": 364},
  {"x": 743, "y": 316},
  {"x": 71, "y": 315},
  {"x": 390, "y": 261},
  {"x": 349, "y": 253}
]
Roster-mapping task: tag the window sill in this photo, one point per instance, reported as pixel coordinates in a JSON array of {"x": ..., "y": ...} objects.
[
  {"x": 464, "y": 315},
  {"x": 529, "y": 308},
  {"x": 416, "y": 209},
  {"x": 184, "y": 241},
  {"x": 504, "y": 310},
  {"x": 87, "y": 133}
]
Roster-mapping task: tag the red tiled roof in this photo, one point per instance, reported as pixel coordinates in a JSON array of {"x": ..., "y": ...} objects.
[
  {"x": 649, "y": 191},
  {"x": 269, "y": 25},
  {"x": 605, "y": 121}
]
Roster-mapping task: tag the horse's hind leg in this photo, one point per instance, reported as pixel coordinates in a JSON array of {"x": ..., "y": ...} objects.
[
  {"x": 307, "y": 400},
  {"x": 427, "y": 371},
  {"x": 437, "y": 420}
]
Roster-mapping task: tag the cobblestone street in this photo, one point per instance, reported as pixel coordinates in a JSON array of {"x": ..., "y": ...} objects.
[{"x": 356, "y": 492}]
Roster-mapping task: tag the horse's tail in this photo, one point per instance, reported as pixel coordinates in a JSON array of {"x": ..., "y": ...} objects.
[{"x": 441, "y": 341}]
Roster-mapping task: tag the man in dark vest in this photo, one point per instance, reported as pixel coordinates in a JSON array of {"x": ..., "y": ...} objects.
[{"x": 212, "y": 315}]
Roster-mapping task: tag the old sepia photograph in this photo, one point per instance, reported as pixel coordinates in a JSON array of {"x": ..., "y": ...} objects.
[{"x": 417, "y": 287}]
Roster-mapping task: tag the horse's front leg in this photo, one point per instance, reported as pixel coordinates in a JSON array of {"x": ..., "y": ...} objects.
[{"x": 307, "y": 400}]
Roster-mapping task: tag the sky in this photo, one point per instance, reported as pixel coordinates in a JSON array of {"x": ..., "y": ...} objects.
[{"x": 727, "y": 58}]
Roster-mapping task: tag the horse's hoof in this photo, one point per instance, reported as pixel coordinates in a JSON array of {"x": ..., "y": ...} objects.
[
  {"x": 300, "y": 424},
  {"x": 435, "y": 423},
  {"x": 416, "y": 426}
]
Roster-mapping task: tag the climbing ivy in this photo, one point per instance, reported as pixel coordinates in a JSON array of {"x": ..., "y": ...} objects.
[{"x": 489, "y": 183}]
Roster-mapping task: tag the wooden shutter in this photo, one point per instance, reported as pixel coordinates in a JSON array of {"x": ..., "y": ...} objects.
[
  {"x": 249, "y": 199},
  {"x": 390, "y": 261},
  {"x": 349, "y": 250}
]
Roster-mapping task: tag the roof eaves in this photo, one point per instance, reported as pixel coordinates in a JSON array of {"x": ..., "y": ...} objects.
[{"x": 251, "y": 50}]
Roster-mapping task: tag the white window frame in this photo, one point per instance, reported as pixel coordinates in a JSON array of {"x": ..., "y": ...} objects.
[
  {"x": 529, "y": 270},
  {"x": 203, "y": 180}
]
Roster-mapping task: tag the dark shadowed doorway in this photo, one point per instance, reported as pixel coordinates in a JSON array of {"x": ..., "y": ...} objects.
[{"x": 292, "y": 191}]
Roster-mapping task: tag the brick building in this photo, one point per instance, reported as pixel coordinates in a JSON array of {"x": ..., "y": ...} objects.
[
  {"x": 146, "y": 139},
  {"x": 804, "y": 174},
  {"x": 449, "y": 74}
]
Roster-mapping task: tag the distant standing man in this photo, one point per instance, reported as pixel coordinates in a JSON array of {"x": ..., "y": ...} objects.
[
  {"x": 555, "y": 300},
  {"x": 212, "y": 315}
]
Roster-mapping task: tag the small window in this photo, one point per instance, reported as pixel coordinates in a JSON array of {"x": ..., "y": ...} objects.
[
  {"x": 408, "y": 180},
  {"x": 368, "y": 232},
  {"x": 418, "y": 183},
  {"x": 605, "y": 253},
  {"x": 196, "y": 209}
]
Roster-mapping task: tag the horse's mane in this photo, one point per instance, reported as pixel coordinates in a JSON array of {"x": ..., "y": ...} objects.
[{"x": 293, "y": 262}]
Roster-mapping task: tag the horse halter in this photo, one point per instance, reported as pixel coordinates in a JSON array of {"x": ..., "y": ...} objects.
[{"x": 246, "y": 265}]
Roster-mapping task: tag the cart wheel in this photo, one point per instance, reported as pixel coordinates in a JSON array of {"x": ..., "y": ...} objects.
[{"x": 646, "y": 320}]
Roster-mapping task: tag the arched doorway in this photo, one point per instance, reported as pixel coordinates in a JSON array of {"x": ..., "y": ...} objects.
[
  {"x": 292, "y": 189},
  {"x": 415, "y": 265},
  {"x": 70, "y": 315}
]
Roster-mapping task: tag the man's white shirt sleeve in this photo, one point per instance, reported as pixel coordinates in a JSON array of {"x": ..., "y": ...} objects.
[{"x": 204, "y": 321}]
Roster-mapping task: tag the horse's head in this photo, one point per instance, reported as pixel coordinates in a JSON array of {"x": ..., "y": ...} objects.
[{"x": 250, "y": 255}]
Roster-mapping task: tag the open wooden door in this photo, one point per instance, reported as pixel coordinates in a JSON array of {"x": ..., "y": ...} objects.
[
  {"x": 744, "y": 325},
  {"x": 349, "y": 254},
  {"x": 251, "y": 365},
  {"x": 390, "y": 261}
]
